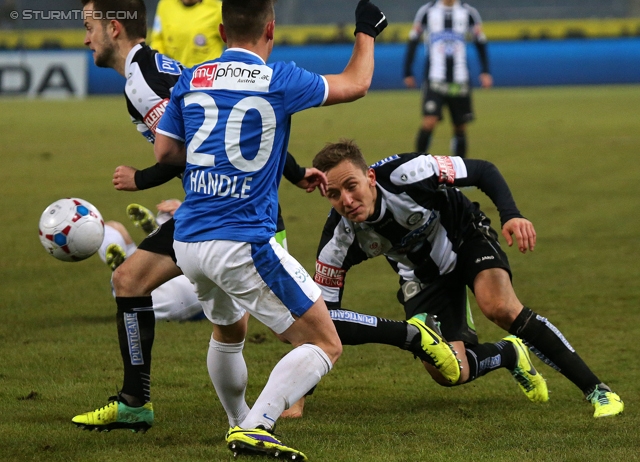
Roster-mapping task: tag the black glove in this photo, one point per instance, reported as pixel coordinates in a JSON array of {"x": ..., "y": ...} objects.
[{"x": 369, "y": 19}]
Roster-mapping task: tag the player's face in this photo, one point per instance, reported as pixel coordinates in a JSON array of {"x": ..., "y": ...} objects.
[
  {"x": 351, "y": 191},
  {"x": 97, "y": 39}
]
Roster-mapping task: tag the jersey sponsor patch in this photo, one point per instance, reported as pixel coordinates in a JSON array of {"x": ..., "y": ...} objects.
[
  {"x": 153, "y": 116},
  {"x": 232, "y": 76},
  {"x": 447, "y": 170},
  {"x": 329, "y": 276},
  {"x": 167, "y": 65}
]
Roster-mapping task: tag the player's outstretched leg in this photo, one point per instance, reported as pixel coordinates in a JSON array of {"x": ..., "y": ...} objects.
[
  {"x": 433, "y": 349},
  {"x": 114, "y": 256},
  {"x": 605, "y": 402},
  {"x": 529, "y": 379},
  {"x": 260, "y": 442},
  {"x": 117, "y": 415},
  {"x": 142, "y": 217}
]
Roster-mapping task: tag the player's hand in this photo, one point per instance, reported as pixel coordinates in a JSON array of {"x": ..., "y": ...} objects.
[
  {"x": 313, "y": 178},
  {"x": 369, "y": 19},
  {"x": 124, "y": 178},
  {"x": 523, "y": 231},
  {"x": 169, "y": 206},
  {"x": 410, "y": 82},
  {"x": 486, "y": 80}
]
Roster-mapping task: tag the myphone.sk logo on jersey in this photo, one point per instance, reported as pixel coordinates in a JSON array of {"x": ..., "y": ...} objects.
[{"x": 232, "y": 76}]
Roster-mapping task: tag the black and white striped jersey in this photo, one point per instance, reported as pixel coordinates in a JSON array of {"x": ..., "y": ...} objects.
[
  {"x": 419, "y": 222},
  {"x": 445, "y": 30},
  {"x": 150, "y": 78}
]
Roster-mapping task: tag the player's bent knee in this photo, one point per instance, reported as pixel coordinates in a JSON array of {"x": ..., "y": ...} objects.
[
  {"x": 125, "y": 282},
  {"x": 500, "y": 312}
]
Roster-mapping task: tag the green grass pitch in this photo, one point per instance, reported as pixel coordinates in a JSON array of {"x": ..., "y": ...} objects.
[{"x": 570, "y": 155}]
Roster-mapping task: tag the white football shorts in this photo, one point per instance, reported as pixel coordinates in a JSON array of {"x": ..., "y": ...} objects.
[{"x": 233, "y": 277}]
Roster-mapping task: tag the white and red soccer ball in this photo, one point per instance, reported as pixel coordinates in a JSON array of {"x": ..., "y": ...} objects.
[{"x": 71, "y": 229}]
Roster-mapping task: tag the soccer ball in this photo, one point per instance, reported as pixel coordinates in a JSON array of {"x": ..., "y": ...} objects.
[{"x": 71, "y": 229}]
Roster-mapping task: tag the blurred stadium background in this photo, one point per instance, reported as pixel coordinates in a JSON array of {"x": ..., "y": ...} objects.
[{"x": 549, "y": 42}]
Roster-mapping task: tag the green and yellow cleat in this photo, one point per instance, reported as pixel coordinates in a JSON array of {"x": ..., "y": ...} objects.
[
  {"x": 115, "y": 256},
  {"x": 605, "y": 402},
  {"x": 529, "y": 379},
  {"x": 142, "y": 218},
  {"x": 116, "y": 415},
  {"x": 260, "y": 442},
  {"x": 434, "y": 349}
]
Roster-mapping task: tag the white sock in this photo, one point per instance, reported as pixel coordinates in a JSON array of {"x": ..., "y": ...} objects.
[
  {"x": 294, "y": 375},
  {"x": 228, "y": 372}
]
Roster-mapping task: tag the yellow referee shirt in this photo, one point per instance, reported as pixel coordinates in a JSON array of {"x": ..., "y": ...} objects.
[{"x": 188, "y": 34}]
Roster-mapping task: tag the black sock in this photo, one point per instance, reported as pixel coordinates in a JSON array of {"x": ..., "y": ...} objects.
[
  {"x": 550, "y": 345},
  {"x": 423, "y": 140},
  {"x": 136, "y": 328},
  {"x": 459, "y": 145},
  {"x": 357, "y": 329},
  {"x": 488, "y": 357}
]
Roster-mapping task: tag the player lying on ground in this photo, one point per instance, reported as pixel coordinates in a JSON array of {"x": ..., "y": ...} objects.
[
  {"x": 406, "y": 207},
  {"x": 176, "y": 300}
]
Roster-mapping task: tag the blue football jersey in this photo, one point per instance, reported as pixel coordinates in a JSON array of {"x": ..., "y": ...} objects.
[{"x": 234, "y": 116}]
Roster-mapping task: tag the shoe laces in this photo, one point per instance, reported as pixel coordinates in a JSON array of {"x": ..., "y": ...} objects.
[
  {"x": 522, "y": 379},
  {"x": 598, "y": 395}
]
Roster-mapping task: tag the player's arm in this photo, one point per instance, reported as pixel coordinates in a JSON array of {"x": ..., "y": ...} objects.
[
  {"x": 169, "y": 147},
  {"x": 418, "y": 28},
  {"x": 127, "y": 178},
  {"x": 355, "y": 80},
  {"x": 486, "y": 177},
  {"x": 480, "y": 41},
  {"x": 306, "y": 178},
  {"x": 409, "y": 79},
  {"x": 169, "y": 150}
]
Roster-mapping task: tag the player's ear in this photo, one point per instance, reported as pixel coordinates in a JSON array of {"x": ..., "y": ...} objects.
[
  {"x": 371, "y": 177},
  {"x": 115, "y": 29},
  {"x": 223, "y": 33},
  {"x": 270, "y": 29}
]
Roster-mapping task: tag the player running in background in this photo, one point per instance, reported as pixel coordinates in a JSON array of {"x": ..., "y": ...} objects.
[
  {"x": 445, "y": 25},
  {"x": 406, "y": 207},
  {"x": 187, "y": 30},
  {"x": 229, "y": 121}
]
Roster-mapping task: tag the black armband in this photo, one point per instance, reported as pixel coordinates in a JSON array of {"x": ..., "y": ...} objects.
[{"x": 156, "y": 175}]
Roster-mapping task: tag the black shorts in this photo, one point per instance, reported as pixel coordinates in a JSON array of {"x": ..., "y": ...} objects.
[
  {"x": 459, "y": 105},
  {"x": 161, "y": 240},
  {"x": 447, "y": 297}
]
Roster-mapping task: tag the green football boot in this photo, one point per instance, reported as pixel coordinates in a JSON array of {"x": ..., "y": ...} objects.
[
  {"x": 434, "y": 349},
  {"x": 116, "y": 415}
]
